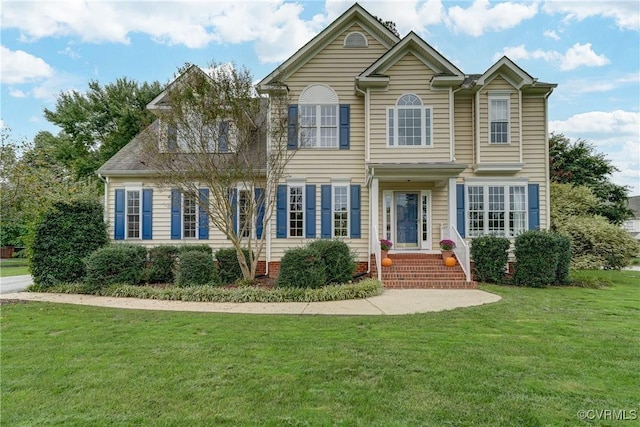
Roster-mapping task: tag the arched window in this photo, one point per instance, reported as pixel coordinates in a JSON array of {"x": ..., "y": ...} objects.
[
  {"x": 318, "y": 116},
  {"x": 409, "y": 123},
  {"x": 355, "y": 39}
]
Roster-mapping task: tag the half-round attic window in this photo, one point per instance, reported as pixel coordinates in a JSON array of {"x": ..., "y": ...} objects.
[{"x": 355, "y": 40}]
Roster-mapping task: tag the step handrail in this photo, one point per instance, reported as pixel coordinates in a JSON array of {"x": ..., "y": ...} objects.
[{"x": 461, "y": 249}]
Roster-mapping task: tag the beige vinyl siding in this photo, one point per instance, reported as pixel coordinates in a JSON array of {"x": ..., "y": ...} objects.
[
  {"x": 161, "y": 217},
  {"x": 499, "y": 153},
  {"x": 410, "y": 75},
  {"x": 336, "y": 67},
  {"x": 463, "y": 122},
  {"x": 534, "y": 149},
  {"x": 439, "y": 208}
]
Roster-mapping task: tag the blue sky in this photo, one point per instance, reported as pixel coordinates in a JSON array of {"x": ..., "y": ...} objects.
[{"x": 591, "y": 49}]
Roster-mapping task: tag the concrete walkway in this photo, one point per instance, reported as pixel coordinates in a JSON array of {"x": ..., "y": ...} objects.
[{"x": 391, "y": 302}]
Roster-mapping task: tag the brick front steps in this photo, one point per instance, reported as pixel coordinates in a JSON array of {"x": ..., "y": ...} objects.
[{"x": 421, "y": 271}]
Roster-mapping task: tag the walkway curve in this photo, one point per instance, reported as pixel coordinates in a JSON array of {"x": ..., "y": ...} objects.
[{"x": 391, "y": 302}]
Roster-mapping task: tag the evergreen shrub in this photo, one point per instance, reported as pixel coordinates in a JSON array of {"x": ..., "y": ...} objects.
[{"x": 490, "y": 255}]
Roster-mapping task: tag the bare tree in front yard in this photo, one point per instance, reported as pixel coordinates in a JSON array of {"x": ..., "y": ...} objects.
[{"x": 215, "y": 133}]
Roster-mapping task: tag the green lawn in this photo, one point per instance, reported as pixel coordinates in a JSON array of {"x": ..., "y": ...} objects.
[
  {"x": 535, "y": 358},
  {"x": 14, "y": 267}
]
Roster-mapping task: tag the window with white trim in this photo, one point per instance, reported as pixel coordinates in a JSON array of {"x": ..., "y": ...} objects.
[
  {"x": 499, "y": 119},
  {"x": 318, "y": 117},
  {"x": 409, "y": 123},
  {"x": 340, "y": 209},
  {"x": 189, "y": 216},
  {"x": 198, "y": 137},
  {"x": 244, "y": 213},
  {"x": 134, "y": 213},
  {"x": 496, "y": 209},
  {"x": 296, "y": 210}
]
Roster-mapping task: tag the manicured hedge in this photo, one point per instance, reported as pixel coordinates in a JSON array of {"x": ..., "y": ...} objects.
[
  {"x": 162, "y": 264},
  {"x": 195, "y": 268},
  {"x": 301, "y": 268},
  {"x": 490, "y": 255},
  {"x": 68, "y": 233},
  {"x": 118, "y": 263},
  {"x": 228, "y": 266},
  {"x": 541, "y": 259},
  {"x": 339, "y": 261}
]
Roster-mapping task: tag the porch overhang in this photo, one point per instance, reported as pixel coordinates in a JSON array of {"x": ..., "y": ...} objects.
[{"x": 415, "y": 172}]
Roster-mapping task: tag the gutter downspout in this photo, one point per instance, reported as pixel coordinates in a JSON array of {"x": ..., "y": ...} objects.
[
  {"x": 452, "y": 124},
  {"x": 367, "y": 158},
  {"x": 546, "y": 158}
]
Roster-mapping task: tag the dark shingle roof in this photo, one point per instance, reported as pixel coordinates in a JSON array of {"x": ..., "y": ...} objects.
[{"x": 130, "y": 160}]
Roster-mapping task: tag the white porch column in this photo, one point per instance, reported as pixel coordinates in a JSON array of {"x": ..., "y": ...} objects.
[
  {"x": 373, "y": 202},
  {"x": 452, "y": 202}
]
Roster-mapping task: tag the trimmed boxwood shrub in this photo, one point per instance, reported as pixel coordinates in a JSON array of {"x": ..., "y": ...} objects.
[
  {"x": 162, "y": 264},
  {"x": 301, "y": 268},
  {"x": 118, "y": 263},
  {"x": 563, "y": 246},
  {"x": 229, "y": 269},
  {"x": 201, "y": 248},
  {"x": 68, "y": 233},
  {"x": 490, "y": 255},
  {"x": 536, "y": 259},
  {"x": 339, "y": 261},
  {"x": 195, "y": 268}
]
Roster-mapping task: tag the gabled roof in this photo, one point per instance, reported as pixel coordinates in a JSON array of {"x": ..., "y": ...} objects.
[
  {"x": 512, "y": 72},
  {"x": 414, "y": 44},
  {"x": 159, "y": 102},
  {"x": 355, "y": 13}
]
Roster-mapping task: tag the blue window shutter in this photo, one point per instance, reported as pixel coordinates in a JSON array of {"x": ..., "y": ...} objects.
[
  {"x": 119, "y": 218},
  {"x": 355, "y": 211},
  {"x": 223, "y": 136},
  {"x": 233, "y": 195},
  {"x": 259, "y": 195},
  {"x": 172, "y": 138},
  {"x": 310, "y": 212},
  {"x": 344, "y": 126},
  {"x": 147, "y": 214},
  {"x": 325, "y": 211},
  {"x": 460, "y": 209},
  {"x": 281, "y": 212},
  {"x": 292, "y": 127},
  {"x": 534, "y": 206},
  {"x": 176, "y": 215},
  {"x": 203, "y": 216}
]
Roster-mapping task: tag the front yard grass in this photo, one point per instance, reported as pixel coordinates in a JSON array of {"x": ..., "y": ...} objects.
[
  {"x": 14, "y": 267},
  {"x": 535, "y": 358}
]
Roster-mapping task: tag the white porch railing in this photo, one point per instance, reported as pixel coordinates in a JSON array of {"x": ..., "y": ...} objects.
[
  {"x": 461, "y": 250},
  {"x": 375, "y": 248}
]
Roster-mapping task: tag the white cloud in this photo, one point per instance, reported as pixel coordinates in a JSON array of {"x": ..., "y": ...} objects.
[
  {"x": 582, "y": 54},
  {"x": 482, "y": 16},
  {"x": 70, "y": 53},
  {"x": 617, "y": 123},
  {"x": 576, "y": 56},
  {"x": 275, "y": 26},
  {"x": 626, "y": 14},
  {"x": 551, "y": 34},
  {"x": 19, "y": 66},
  {"x": 17, "y": 93}
]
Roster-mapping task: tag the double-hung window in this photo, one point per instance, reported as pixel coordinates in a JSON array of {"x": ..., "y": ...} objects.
[
  {"x": 244, "y": 213},
  {"x": 496, "y": 209},
  {"x": 189, "y": 216},
  {"x": 319, "y": 126},
  {"x": 340, "y": 208},
  {"x": 195, "y": 136},
  {"x": 499, "y": 119},
  {"x": 409, "y": 123},
  {"x": 133, "y": 214},
  {"x": 296, "y": 210}
]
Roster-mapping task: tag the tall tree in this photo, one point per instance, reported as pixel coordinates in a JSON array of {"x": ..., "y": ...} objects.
[
  {"x": 212, "y": 134},
  {"x": 98, "y": 123},
  {"x": 577, "y": 163}
]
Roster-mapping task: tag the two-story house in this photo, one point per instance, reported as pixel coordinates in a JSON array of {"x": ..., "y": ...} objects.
[{"x": 399, "y": 144}]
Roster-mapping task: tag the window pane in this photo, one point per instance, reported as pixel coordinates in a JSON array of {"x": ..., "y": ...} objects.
[
  {"x": 340, "y": 212},
  {"x": 189, "y": 216},
  {"x": 409, "y": 100},
  {"x": 133, "y": 214},
  {"x": 499, "y": 121},
  {"x": 425, "y": 219},
  {"x": 296, "y": 212},
  {"x": 496, "y": 210},
  {"x": 517, "y": 210},
  {"x": 409, "y": 126},
  {"x": 476, "y": 210},
  {"x": 390, "y": 125},
  {"x": 427, "y": 126},
  {"x": 244, "y": 214}
]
